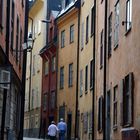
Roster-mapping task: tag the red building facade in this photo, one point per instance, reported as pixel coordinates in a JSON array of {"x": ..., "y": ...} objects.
[{"x": 49, "y": 77}]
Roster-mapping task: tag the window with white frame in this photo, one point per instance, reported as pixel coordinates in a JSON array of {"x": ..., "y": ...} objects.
[
  {"x": 86, "y": 78},
  {"x": 70, "y": 82},
  {"x": 109, "y": 35},
  {"x": 61, "y": 77},
  {"x": 63, "y": 39},
  {"x": 72, "y": 33},
  {"x": 116, "y": 26},
  {"x": 128, "y": 14},
  {"x": 81, "y": 82},
  {"x": 53, "y": 63},
  {"x": 46, "y": 68}
]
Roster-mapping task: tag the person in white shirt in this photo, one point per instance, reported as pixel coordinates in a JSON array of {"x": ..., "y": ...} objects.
[{"x": 52, "y": 131}]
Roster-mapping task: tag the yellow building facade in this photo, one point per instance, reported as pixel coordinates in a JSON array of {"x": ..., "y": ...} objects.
[
  {"x": 86, "y": 69},
  {"x": 67, "y": 23},
  {"x": 37, "y": 29}
]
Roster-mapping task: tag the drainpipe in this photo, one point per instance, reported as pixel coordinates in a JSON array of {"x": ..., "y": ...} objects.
[
  {"x": 77, "y": 75},
  {"x": 104, "y": 78},
  {"x": 7, "y": 28},
  {"x": 94, "y": 60},
  {"x": 24, "y": 73}
]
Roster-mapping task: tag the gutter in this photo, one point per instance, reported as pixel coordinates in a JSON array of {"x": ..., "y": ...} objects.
[
  {"x": 104, "y": 78},
  {"x": 77, "y": 75},
  {"x": 94, "y": 63},
  {"x": 24, "y": 74}
]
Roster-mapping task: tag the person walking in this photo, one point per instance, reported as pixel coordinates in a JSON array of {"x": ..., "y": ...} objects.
[
  {"x": 62, "y": 127},
  {"x": 52, "y": 131}
]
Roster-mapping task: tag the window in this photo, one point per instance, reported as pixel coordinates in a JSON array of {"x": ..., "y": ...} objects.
[
  {"x": 63, "y": 39},
  {"x": 53, "y": 63},
  {"x": 39, "y": 27},
  {"x": 101, "y": 50},
  {"x": 45, "y": 101},
  {"x": 109, "y": 35},
  {"x": 71, "y": 33},
  {"x": 61, "y": 77},
  {"x": 82, "y": 36},
  {"x": 12, "y": 25},
  {"x": 91, "y": 74},
  {"x": 51, "y": 34},
  {"x": 70, "y": 74},
  {"x": 52, "y": 100},
  {"x": 92, "y": 20},
  {"x": 100, "y": 114},
  {"x": 115, "y": 107},
  {"x": 86, "y": 78},
  {"x": 34, "y": 59},
  {"x": 81, "y": 82},
  {"x": 127, "y": 100},
  {"x": 20, "y": 46},
  {"x": 116, "y": 26},
  {"x": 46, "y": 68},
  {"x": 32, "y": 101},
  {"x": 17, "y": 40},
  {"x": 87, "y": 22},
  {"x": 128, "y": 14}
]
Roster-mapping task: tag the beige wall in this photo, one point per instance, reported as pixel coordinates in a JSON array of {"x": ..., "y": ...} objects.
[
  {"x": 66, "y": 56},
  {"x": 124, "y": 59},
  {"x": 37, "y": 12}
]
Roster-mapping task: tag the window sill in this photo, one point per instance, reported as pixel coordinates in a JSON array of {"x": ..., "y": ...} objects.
[
  {"x": 61, "y": 88},
  {"x": 109, "y": 55},
  {"x": 115, "y": 128},
  {"x": 71, "y": 42},
  {"x": 91, "y": 88},
  {"x": 128, "y": 31},
  {"x": 86, "y": 42},
  {"x": 81, "y": 95},
  {"x": 116, "y": 46},
  {"x": 91, "y": 35},
  {"x": 101, "y": 66},
  {"x": 82, "y": 49},
  {"x": 126, "y": 125},
  {"x": 86, "y": 91},
  {"x": 70, "y": 86}
]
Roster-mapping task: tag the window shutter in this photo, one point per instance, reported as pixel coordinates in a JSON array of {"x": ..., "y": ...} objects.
[
  {"x": 121, "y": 101},
  {"x": 130, "y": 98}
]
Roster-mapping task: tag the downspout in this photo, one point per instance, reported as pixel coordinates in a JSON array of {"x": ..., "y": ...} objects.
[
  {"x": 7, "y": 28},
  {"x": 104, "y": 80},
  {"x": 94, "y": 60},
  {"x": 24, "y": 73},
  {"x": 77, "y": 75}
]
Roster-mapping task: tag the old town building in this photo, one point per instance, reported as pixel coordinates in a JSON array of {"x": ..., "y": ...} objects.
[
  {"x": 67, "y": 23},
  {"x": 12, "y": 27},
  {"x": 37, "y": 31},
  {"x": 86, "y": 62},
  {"x": 49, "y": 76},
  {"x": 118, "y": 70}
]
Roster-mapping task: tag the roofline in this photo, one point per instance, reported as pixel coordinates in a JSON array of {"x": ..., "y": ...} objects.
[{"x": 76, "y": 5}]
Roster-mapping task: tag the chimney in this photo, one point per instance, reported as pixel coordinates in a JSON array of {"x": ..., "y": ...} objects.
[{"x": 63, "y": 4}]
